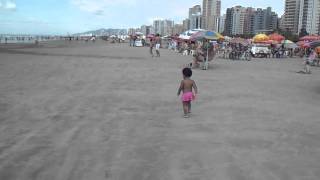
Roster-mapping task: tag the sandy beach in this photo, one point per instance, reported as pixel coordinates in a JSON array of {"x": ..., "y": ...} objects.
[{"x": 84, "y": 111}]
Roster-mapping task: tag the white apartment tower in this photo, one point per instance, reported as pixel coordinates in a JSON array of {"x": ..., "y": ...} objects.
[
  {"x": 210, "y": 13},
  {"x": 291, "y": 16},
  {"x": 238, "y": 19},
  {"x": 309, "y": 16}
]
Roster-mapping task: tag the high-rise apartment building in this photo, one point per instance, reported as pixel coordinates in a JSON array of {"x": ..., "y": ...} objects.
[
  {"x": 157, "y": 26},
  {"x": 228, "y": 22},
  {"x": 195, "y": 17},
  {"x": 265, "y": 20},
  {"x": 238, "y": 17},
  {"x": 248, "y": 27},
  {"x": 211, "y": 10},
  {"x": 222, "y": 22},
  {"x": 186, "y": 24},
  {"x": 146, "y": 30},
  {"x": 168, "y": 26},
  {"x": 178, "y": 29},
  {"x": 163, "y": 27},
  {"x": 302, "y": 16},
  {"x": 309, "y": 16},
  {"x": 247, "y": 20},
  {"x": 194, "y": 10},
  {"x": 291, "y": 16}
]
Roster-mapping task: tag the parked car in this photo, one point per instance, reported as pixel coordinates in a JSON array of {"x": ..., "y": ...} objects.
[
  {"x": 138, "y": 43},
  {"x": 260, "y": 50}
]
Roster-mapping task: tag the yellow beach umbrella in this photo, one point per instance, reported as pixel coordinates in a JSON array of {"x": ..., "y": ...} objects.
[{"x": 260, "y": 38}]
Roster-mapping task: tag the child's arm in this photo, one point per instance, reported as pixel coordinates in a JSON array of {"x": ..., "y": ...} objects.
[
  {"x": 195, "y": 87},
  {"x": 180, "y": 88}
]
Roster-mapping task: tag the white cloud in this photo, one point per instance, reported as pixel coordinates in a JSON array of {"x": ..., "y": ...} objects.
[
  {"x": 8, "y": 5},
  {"x": 99, "y": 6}
]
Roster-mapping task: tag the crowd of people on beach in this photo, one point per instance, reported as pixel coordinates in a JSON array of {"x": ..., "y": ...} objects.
[
  {"x": 24, "y": 39},
  {"x": 207, "y": 50}
]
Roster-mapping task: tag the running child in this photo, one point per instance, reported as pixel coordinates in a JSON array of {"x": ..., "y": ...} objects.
[{"x": 186, "y": 86}]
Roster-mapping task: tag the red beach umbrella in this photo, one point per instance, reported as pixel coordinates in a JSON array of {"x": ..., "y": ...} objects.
[{"x": 276, "y": 37}]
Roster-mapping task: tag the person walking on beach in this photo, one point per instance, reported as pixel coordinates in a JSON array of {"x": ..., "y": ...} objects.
[
  {"x": 309, "y": 61},
  {"x": 187, "y": 86},
  {"x": 158, "y": 44},
  {"x": 151, "y": 47}
]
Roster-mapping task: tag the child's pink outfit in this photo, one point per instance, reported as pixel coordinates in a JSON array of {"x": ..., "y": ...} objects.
[{"x": 188, "y": 96}]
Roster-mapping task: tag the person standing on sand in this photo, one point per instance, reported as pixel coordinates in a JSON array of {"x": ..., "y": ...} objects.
[
  {"x": 158, "y": 44},
  {"x": 130, "y": 40},
  {"x": 186, "y": 86},
  {"x": 309, "y": 61},
  {"x": 134, "y": 41}
]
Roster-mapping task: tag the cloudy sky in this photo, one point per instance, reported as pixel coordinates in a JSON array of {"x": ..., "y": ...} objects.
[{"x": 71, "y": 16}]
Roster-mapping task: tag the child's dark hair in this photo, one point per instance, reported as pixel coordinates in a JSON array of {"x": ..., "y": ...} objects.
[{"x": 187, "y": 72}]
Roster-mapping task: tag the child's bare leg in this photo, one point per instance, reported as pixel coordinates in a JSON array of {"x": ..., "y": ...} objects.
[
  {"x": 307, "y": 68},
  {"x": 189, "y": 107},
  {"x": 185, "y": 109}
]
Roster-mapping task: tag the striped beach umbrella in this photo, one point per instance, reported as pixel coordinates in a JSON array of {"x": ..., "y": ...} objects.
[
  {"x": 315, "y": 44},
  {"x": 207, "y": 35}
]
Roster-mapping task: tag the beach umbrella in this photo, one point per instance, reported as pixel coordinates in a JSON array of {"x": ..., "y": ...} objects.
[
  {"x": 187, "y": 34},
  {"x": 151, "y": 36},
  {"x": 292, "y": 46},
  {"x": 310, "y": 38},
  {"x": 306, "y": 45},
  {"x": 289, "y": 44},
  {"x": 260, "y": 38},
  {"x": 303, "y": 44},
  {"x": 269, "y": 42},
  {"x": 208, "y": 35},
  {"x": 315, "y": 44},
  {"x": 286, "y": 42},
  {"x": 276, "y": 37},
  {"x": 300, "y": 43}
]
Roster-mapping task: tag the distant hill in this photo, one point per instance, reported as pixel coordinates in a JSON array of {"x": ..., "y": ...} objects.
[{"x": 104, "y": 32}]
